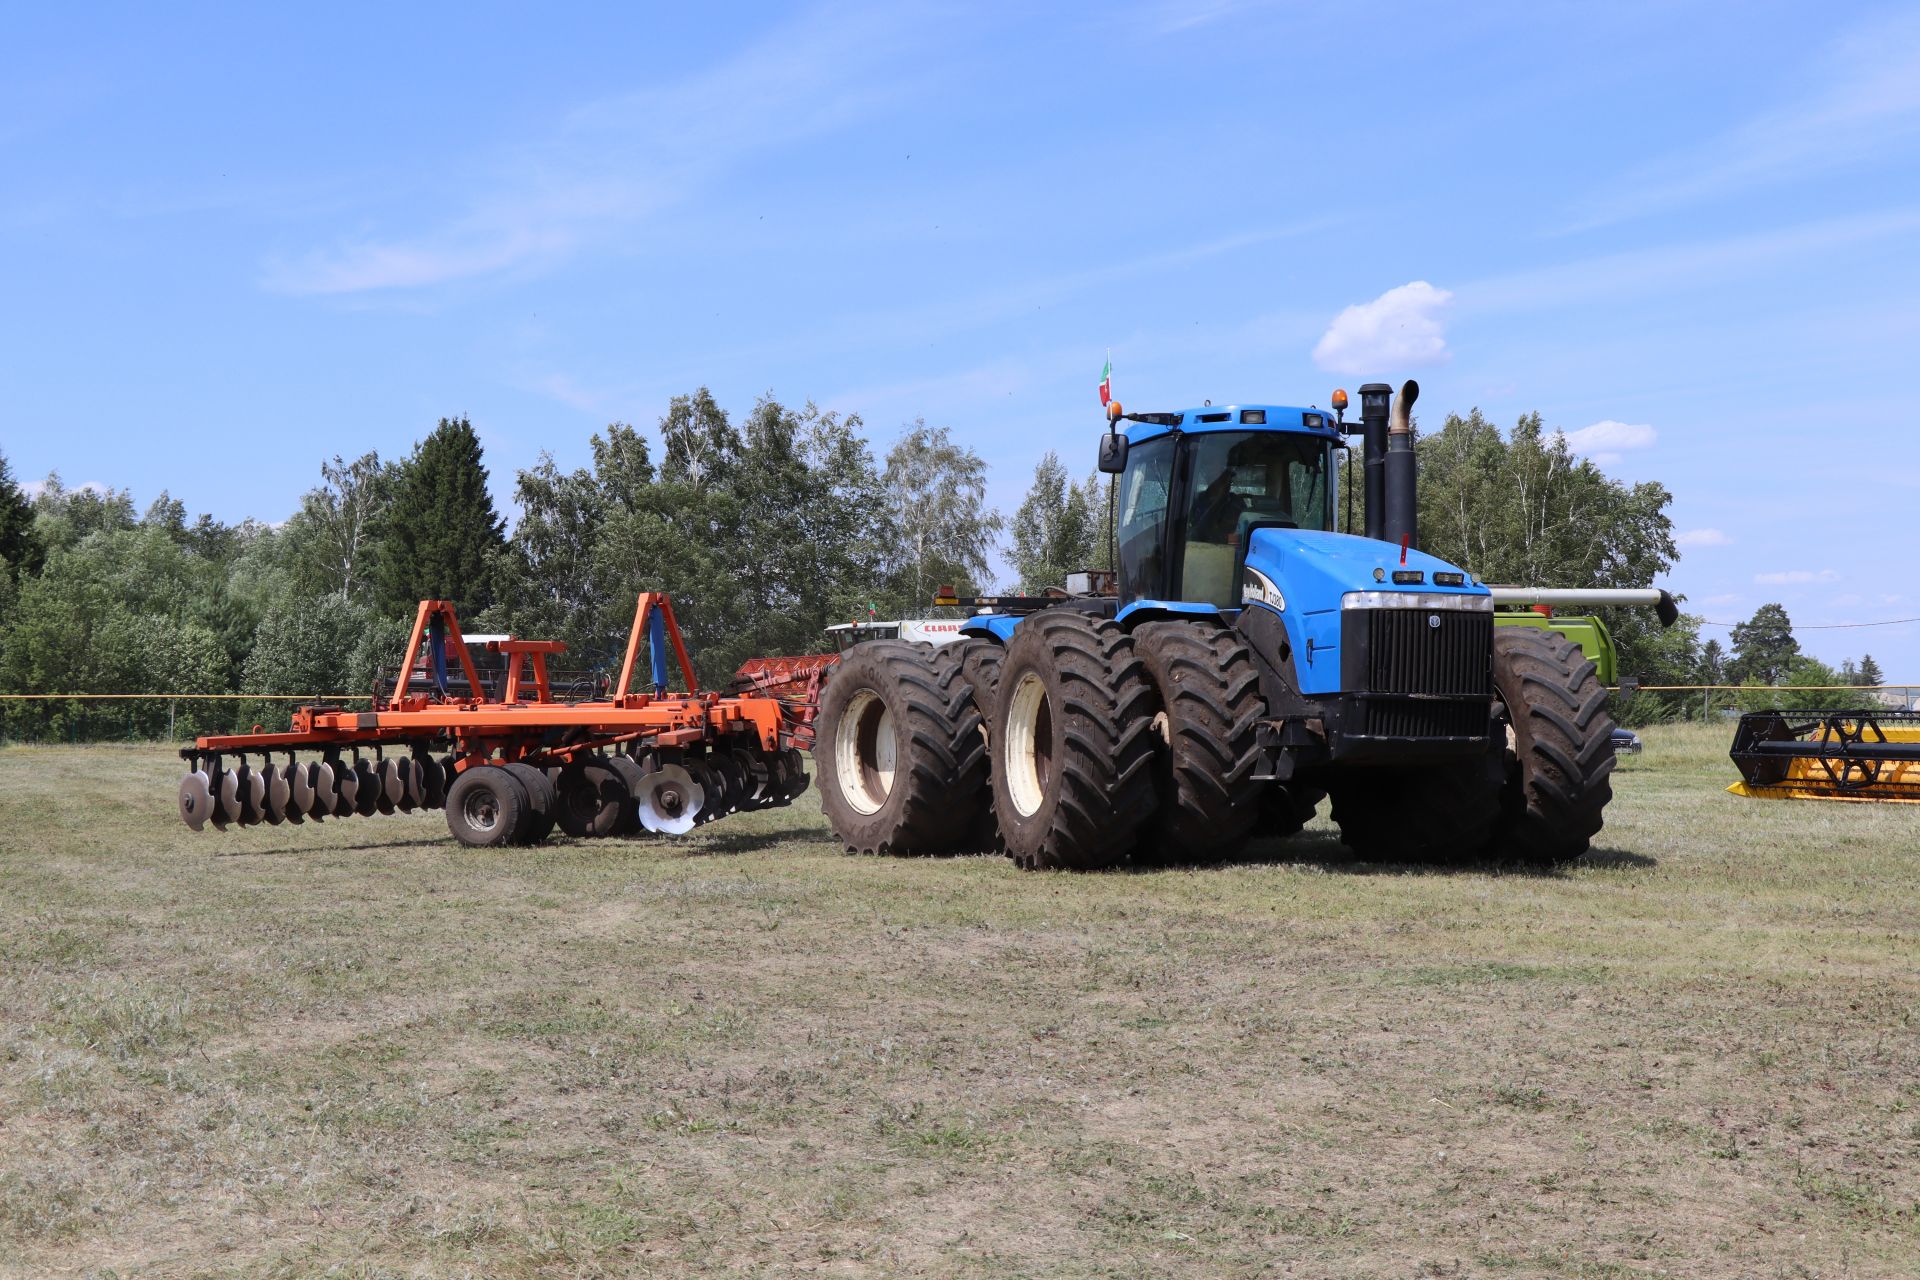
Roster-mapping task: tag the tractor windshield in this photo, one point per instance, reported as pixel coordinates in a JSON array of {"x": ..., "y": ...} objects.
[{"x": 1239, "y": 479}]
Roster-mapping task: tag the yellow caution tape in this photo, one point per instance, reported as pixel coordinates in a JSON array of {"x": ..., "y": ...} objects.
[{"x": 197, "y": 697}]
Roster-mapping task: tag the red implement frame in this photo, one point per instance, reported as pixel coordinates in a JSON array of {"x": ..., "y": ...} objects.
[{"x": 532, "y": 728}]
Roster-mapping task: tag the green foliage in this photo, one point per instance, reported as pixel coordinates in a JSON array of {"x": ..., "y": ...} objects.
[
  {"x": 1764, "y": 647},
  {"x": 1807, "y": 686},
  {"x": 21, "y": 550},
  {"x": 1523, "y": 509},
  {"x": 940, "y": 529},
  {"x": 440, "y": 536},
  {"x": 1058, "y": 528},
  {"x": 1869, "y": 673},
  {"x": 763, "y": 534}
]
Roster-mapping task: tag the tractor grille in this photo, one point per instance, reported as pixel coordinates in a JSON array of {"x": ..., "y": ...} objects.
[
  {"x": 1392, "y": 718},
  {"x": 1444, "y": 652}
]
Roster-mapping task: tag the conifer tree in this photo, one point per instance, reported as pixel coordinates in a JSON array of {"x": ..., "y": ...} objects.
[{"x": 441, "y": 535}]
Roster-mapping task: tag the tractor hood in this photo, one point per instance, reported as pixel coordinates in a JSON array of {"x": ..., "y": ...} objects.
[{"x": 1308, "y": 573}]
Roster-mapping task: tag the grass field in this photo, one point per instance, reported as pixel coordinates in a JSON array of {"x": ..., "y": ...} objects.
[{"x": 358, "y": 1049}]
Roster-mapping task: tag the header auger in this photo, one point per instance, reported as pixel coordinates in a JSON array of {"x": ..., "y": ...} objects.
[{"x": 509, "y": 765}]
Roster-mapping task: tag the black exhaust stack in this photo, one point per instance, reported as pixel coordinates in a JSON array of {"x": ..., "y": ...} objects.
[
  {"x": 1403, "y": 498},
  {"x": 1375, "y": 397}
]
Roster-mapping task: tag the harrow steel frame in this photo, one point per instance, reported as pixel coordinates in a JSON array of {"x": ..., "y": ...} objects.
[{"x": 650, "y": 741}]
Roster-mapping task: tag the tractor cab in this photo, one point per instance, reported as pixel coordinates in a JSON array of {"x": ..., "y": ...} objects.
[{"x": 1195, "y": 485}]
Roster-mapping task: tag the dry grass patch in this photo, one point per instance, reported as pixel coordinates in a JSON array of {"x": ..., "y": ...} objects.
[{"x": 358, "y": 1049}]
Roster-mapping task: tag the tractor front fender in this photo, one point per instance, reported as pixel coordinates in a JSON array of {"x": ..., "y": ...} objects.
[{"x": 1169, "y": 611}]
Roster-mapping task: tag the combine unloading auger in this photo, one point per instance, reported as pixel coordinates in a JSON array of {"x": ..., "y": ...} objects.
[
  {"x": 509, "y": 766},
  {"x": 1828, "y": 755}
]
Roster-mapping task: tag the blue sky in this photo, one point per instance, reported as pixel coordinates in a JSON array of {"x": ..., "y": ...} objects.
[{"x": 236, "y": 240}]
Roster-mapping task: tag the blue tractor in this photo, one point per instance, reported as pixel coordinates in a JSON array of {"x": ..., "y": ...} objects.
[{"x": 1244, "y": 662}]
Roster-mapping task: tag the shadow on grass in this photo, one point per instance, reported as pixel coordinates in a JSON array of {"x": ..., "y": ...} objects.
[{"x": 1323, "y": 851}]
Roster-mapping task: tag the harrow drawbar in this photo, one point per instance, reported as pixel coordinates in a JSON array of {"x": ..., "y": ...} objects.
[
  {"x": 1828, "y": 755},
  {"x": 509, "y": 767}
]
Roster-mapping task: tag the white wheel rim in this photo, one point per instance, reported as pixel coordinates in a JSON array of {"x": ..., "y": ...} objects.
[
  {"x": 864, "y": 752},
  {"x": 1029, "y": 745}
]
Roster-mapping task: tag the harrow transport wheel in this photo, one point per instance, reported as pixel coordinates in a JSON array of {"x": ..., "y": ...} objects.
[
  {"x": 1207, "y": 709},
  {"x": 1444, "y": 814},
  {"x": 902, "y": 766},
  {"x": 590, "y": 798},
  {"x": 537, "y": 823},
  {"x": 486, "y": 807},
  {"x": 1560, "y": 747},
  {"x": 1073, "y": 755}
]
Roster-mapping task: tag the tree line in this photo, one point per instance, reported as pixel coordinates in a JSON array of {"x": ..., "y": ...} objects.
[{"x": 765, "y": 527}]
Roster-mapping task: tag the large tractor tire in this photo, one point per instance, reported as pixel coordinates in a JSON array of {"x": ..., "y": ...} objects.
[
  {"x": 980, "y": 661},
  {"x": 1446, "y": 814},
  {"x": 1560, "y": 749},
  {"x": 898, "y": 748},
  {"x": 1073, "y": 744},
  {"x": 1206, "y": 724}
]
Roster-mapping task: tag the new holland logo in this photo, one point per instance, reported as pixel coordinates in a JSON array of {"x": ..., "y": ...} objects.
[{"x": 1433, "y": 620}]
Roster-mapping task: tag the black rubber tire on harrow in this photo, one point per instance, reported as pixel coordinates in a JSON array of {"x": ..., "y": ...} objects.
[
  {"x": 1206, "y": 687},
  {"x": 1444, "y": 814},
  {"x": 939, "y": 761},
  {"x": 486, "y": 807},
  {"x": 538, "y": 823},
  {"x": 1557, "y": 783},
  {"x": 1075, "y": 682}
]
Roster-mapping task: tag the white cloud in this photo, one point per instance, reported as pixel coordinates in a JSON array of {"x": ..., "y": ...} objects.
[
  {"x": 1702, "y": 538},
  {"x": 619, "y": 159},
  {"x": 1794, "y": 577},
  {"x": 1604, "y": 442},
  {"x": 1399, "y": 328},
  {"x": 34, "y": 488},
  {"x": 1725, "y": 598}
]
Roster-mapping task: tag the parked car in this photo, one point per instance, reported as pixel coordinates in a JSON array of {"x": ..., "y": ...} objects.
[{"x": 1626, "y": 742}]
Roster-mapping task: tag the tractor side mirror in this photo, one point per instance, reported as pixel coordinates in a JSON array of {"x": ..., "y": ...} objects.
[{"x": 1113, "y": 453}]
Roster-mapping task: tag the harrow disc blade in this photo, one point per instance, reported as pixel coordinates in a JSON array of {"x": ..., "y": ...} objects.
[
  {"x": 387, "y": 799},
  {"x": 236, "y": 796},
  {"x": 669, "y": 800},
  {"x": 759, "y": 778},
  {"x": 367, "y": 792},
  {"x": 290, "y": 775},
  {"x": 196, "y": 799},
  {"x": 226, "y": 805},
  {"x": 732, "y": 780},
  {"x": 714, "y": 790},
  {"x": 431, "y": 777},
  {"x": 346, "y": 782},
  {"x": 797, "y": 768},
  {"x": 256, "y": 795},
  {"x": 274, "y": 794},
  {"x": 325, "y": 798},
  {"x": 300, "y": 783},
  {"x": 409, "y": 787}
]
